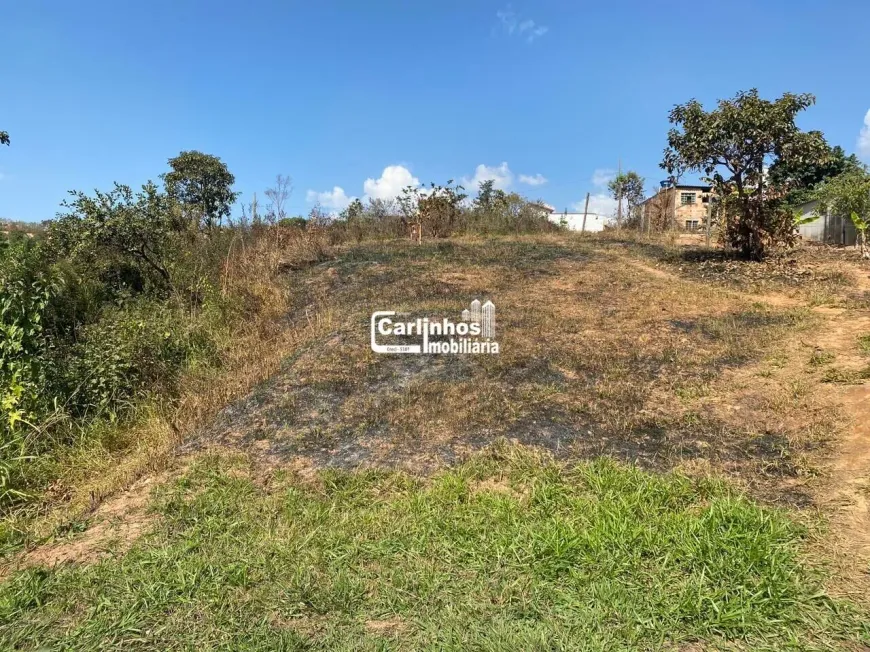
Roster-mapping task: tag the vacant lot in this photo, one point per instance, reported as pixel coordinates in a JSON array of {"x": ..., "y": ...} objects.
[{"x": 318, "y": 511}]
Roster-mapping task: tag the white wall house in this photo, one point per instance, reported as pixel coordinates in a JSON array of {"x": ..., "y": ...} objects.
[
  {"x": 833, "y": 229},
  {"x": 574, "y": 221}
]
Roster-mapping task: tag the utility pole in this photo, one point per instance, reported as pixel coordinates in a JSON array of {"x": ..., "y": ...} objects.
[{"x": 585, "y": 211}]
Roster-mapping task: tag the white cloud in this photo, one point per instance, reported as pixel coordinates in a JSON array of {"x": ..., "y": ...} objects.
[
  {"x": 500, "y": 175},
  {"x": 334, "y": 199},
  {"x": 508, "y": 19},
  {"x": 864, "y": 138},
  {"x": 392, "y": 181},
  {"x": 602, "y": 176},
  {"x": 396, "y": 178},
  {"x": 536, "y": 180},
  {"x": 600, "y": 201},
  {"x": 526, "y": 28},
  {"x": 532, "y": 31}
]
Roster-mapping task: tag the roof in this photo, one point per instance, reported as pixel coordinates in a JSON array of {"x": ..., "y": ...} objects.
[
  {"x": 689, "y": 187},
  {"x": 543, "y": 206}
]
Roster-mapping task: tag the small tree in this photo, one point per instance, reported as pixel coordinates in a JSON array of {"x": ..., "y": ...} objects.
[
  {"x": 278, "y": 196},
  {"x": 436, "y": 210},
  {"x": 628, "y": 186},
  {"x": 484, "y": 198},
  {"x": 733, "y": 145},
  {"x": 849, "y": 194},
  {"x": 202, "y": 184},
  {"x": 135, "y": 228}
]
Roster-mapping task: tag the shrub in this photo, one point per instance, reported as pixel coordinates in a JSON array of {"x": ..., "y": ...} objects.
[
  {"x": 131, "y": 351},
  {"x": 297, "y": 222},
  {"x": 26, "y": 288}
]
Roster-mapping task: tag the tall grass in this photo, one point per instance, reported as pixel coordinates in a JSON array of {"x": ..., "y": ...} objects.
[{"x": 149, "y": 370}]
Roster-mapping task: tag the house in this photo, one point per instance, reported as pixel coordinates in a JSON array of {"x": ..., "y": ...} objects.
[
  {"x": 826, "y": 227},
  {"x": 684, "y": 206},
  {"x": 592, "y": 223},
  {"x": 574, "y": 221}
]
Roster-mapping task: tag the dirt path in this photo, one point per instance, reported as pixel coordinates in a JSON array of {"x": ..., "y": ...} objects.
[
  {"x": 849, "y": 493},
  {"x": 112, "y": 529},
  {"x": 846, "y": 496}
]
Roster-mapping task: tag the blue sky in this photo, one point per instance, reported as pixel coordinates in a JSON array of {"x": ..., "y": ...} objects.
[{"x": 365, "y": 96}]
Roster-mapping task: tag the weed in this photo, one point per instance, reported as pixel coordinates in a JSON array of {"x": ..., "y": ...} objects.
[{"x": 820, "y": 358}]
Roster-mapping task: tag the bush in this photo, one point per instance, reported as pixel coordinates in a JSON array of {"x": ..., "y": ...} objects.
[
  {"x": 131, "y": 351},
  {"x": 26, "y": 288},
  {"x": 298, "y": 222}
]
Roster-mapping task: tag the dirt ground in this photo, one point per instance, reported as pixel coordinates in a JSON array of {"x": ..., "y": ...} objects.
[{"x": 665, "y": 356}]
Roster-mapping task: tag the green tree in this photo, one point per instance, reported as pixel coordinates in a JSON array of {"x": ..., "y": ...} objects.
[
  {"x": 734, "y": 145},
  {"x": 354, "y": 211},
  {"x": 485, "y": 195},
  {"x": 135, "y": 228},
  {"x": 4, "y": 137},
  {"x": 629, "y": 187},
  {"x": 203, "y": 185},
  {"x": 801, "y": 177},
  {"x": 849, "y": 194}
]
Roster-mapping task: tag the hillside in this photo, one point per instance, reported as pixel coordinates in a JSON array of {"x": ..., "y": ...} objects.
[{"x": 450, "y": 501}]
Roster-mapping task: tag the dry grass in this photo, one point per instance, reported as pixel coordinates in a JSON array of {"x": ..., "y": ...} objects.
[
  {"x": 597, "y": 358},
  {"x": 605, "y": 350},
  {"x": 114, "y": 455}
]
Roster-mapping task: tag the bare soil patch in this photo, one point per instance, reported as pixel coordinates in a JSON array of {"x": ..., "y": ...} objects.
[{"x": 109, "y": 530}]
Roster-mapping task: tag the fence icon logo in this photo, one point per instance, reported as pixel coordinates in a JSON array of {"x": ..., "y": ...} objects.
[{"x": 473, "y": 334}]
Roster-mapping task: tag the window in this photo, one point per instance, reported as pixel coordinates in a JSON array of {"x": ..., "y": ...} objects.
[
  {"x": 687, "y": 198},
  {"x": 691, "y": 225}
]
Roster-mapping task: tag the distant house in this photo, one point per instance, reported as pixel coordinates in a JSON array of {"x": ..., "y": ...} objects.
[
  {"x": 574, "y": 221},
  {"x": 687, "y": 206},
  {"x": 826, "y": 227}
]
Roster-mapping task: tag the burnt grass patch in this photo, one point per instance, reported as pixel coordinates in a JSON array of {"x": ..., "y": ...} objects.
[
  {"x": 808, "y": 270},
  {"x": 596, "y": 360}
]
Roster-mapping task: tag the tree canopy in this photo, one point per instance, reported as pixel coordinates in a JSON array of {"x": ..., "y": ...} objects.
[
  {"x": 627, "y": 186},
  {"x": 202, "y": 184},
  {"x": 117, "y": 225},
  {"x": 4, "y": 137},
  {"x": 848, "y": 194},
  {"x": 801, "y": 177},
  {"x": 734, "y": 145}
]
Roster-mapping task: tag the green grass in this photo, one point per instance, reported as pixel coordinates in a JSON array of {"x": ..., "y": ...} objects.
[
  {"x": 508, "y": 551},
  {"x": 821, "y": 358}
]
